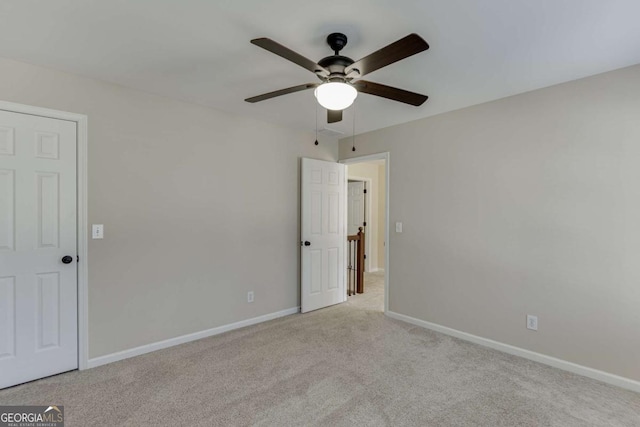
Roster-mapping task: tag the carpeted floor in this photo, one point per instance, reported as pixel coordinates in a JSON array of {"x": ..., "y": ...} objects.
[{"x": 347, "y": 365}]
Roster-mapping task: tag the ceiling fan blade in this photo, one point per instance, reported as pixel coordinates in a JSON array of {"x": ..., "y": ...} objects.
[
  {"x": 389, "y": 92},
  {"x": 292, "y": 56},
  {"x": 334, "y": 116},
  {"x": 403, "y": 48},
  {"x": 280, "y": 92}
]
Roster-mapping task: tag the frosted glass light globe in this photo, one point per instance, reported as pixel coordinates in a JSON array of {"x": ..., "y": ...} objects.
[{"x": 335, "y": 95}]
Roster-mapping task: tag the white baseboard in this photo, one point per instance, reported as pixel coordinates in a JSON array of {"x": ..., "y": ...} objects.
[
  {"x": 148, "y": 348},
  {"x": 605, "y": 377}
]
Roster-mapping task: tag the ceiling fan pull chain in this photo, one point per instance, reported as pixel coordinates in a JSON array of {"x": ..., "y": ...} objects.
[
  {"x": 353, "y": 140},
  {"x": 316, "y": 123}
]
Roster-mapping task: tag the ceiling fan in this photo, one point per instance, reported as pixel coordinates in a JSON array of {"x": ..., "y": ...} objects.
[{"x": 340, "y": 75}]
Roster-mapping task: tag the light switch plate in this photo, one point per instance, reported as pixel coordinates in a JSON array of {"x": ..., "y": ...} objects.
[
  {"x": 398, "y": 227},
  {"x": 97, "y": 231},
  {"x": 532, "y": 322}
]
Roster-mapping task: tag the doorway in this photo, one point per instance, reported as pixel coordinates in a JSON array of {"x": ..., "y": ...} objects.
[
  {"x": 359, "y": 204},
  {"x": 368, "y": 177}
]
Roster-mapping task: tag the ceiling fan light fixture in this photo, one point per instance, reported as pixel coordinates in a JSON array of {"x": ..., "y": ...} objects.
[{"x": 335, "y": 95}]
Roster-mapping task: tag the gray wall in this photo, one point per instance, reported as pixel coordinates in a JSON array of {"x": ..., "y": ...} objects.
[
  {"x": 199, "y": 207},
  {"x": 525, "y": 205}
]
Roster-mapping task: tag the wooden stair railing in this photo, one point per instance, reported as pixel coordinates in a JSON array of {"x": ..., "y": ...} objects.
[{"x": 355, "y": 263}]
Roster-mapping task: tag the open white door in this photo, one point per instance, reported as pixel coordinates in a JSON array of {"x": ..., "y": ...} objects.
[
  {"x": 38, "y": 270},
  {"x": 323, "y": 234}
]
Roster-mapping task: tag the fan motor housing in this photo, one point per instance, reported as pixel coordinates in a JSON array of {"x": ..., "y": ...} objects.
[{"x": 336, "y": 65}]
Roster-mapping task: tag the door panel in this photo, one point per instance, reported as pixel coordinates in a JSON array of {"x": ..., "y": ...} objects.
[
  {"x": 38, "y": 293},
  {"x": 48, "y": 311},
  {"x": 7, "y": 316},
  {"x": 356, "y": 206},
  {"x": 7, "y": 207},
  {"x": 48, "y": 219},
  {"x": 323, "y": 200}
]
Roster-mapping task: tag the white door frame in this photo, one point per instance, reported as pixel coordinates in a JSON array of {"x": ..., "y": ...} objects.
[
  {"x": 367, "y": 219},
  {"x": 81, "y": 174},
  {"x": 380, "y": 156}
]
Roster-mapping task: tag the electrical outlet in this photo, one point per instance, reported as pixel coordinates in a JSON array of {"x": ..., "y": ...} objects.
[
  {"x": 250, "y": 296},
  {"x": 532, "y": 322}
]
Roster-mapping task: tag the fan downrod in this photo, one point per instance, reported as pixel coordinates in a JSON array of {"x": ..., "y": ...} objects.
[{"x": 337, "y": 42}]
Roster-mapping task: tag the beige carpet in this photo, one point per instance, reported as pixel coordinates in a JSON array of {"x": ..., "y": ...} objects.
[{"x": 346, "y": 365}]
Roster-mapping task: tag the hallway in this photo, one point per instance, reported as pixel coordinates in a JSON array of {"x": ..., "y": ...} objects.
[{"x": 373, "y": 296}]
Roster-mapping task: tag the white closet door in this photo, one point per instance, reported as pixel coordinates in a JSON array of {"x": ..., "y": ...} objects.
[{"x": 38, "y": 285}]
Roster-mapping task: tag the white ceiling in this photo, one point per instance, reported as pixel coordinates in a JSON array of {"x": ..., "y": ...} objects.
[{"x": 199, "y": 50}]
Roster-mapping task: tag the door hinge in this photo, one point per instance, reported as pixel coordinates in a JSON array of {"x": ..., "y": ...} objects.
[
  {"x": 365, "y": 256},
  {"x": 365, "y": 191},
  {"x": 364, "y": 223}
]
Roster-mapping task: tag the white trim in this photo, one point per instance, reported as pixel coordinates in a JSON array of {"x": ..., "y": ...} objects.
[
  {"x": 345, "y": 230},
  {"x": 387, "y": 190},
  {"x": 148, "y": 348},
  {"x": 82, "y": 201},
  {"x": 39, "y": 111},
  {"x": 83, "y": 244},
  {"x": 595, "y": 374},
  {"x": 369, "y": 187}
]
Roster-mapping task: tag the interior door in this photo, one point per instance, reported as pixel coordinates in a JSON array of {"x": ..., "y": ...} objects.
[
  {"x": 355, "y": 206},
  {"x": 323, "y": 234},
  {"x": 38, "y": 285}
]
